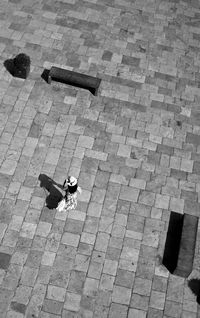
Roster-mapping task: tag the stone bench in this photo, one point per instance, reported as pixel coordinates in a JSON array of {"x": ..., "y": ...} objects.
[
  {"x": 75, "y": 79},
  {"x": 180, "y": 244}
]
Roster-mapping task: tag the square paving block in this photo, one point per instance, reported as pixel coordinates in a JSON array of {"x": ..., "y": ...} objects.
[
  {"x": 4, "y": 260},
  {"x": 21, "y": 308}
]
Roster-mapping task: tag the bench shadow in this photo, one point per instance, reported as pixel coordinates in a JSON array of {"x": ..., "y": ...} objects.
[
  {"x": 194, "y": 285},
  {"x": 51, "y": 186}
]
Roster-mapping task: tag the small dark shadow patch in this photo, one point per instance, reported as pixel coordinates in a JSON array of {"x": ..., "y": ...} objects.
[{"x": 45, "y": 75}]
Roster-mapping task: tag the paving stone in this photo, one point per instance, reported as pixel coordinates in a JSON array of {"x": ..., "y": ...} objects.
[
  {"x": 138, "y": 183},
  {"x": 56, "y": 293},
  {"x": 86, "y": 180},
  {"x": 28, "y": 230},
  {"x": 95, "y": 270},
  {"x": 113, "y": 254},
  {"x": 5, "y": 298},
  {"x": 129, "y": 194},
  {"x": 188, "y": 314},
  {"x": 87, "y": 303},
  {"x": 110, "y": 267},
  {"x": 173, "y": 309},
  {"x": 63, "y": 261},
  {"x": 39, "y": 243},
  {"x": 118, "y": 178},
  {"x": 48, "y": 258},
  {"x": 53, "y": 242},
  {"x": 81, "y": 262},
  {"x": 124, "y": 278},
  {"x": 145, "y": 268},
  {"x": 32, "y": 216},
  {"x": 76, "y": 282},
  {"x": 25, "y": 193},
  {"x": 106, "y": 282},
  {"x": 162, "y": 202},
  {"x": 175, "y": 289},
  {"x": 139, "y": 302},
  {"x": 159, "y": 284},
  {"x": 4, "y": 260},
  {"x": 94, "y": 209},
  {"x": 157, "y": 300},
  {"x": 44, "y": 274},
  {"x": 70, "y": 239},
  {"x": 151, "y": 238},
  {"x": 43, "y": 229},
  {"x": 103, "y": 298},
  {"x": 190, "y": 306},
  {"x": 90, "y": 287},
  {"x": 55, "y": 277},
  {"x": 154, "y": 313},
  {"x": 8, "y": 167},
  {"x": 88, "y": 238},
  {"x": 121, "y": 295},
  {"x": 191, "y": 207},
  {"x": 142, "y": 286},
  {"x": 74, "y": 226},
  {"x": 118, "y": 230},
  {"x": 16, "y": 223},
  {"x": 85, "y": 142},
  {"x": 12, "y": 276},
  {"x": 12, "y": 314},
  {"x": 124, "y": 151},
  {"x": 29, "y": 276},
  {"x": 176, "y": 205},
  {"x": 101, "y": 311},
  {"x": 72, "y": 302},
  {"x": 52, "y": 306},
  {"x": 146, "y": 198},
  {"x": 17, "y": 307},
  {"x": 101, "y": 179},
  {"x": 136, "y": 313},
  {"x": 10, "y": 238},
  {"x": 98, "y": 195},
  {"x": 47, "y": 215},
  {"x": 78, "y": 215},
  {"x": 102, "y": 238},
  {"x": 34, "y": 259},
  {"x": 118, "y": 311}
]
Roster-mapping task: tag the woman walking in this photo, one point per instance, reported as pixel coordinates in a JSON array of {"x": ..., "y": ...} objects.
[{"x": 69, "y": 200}]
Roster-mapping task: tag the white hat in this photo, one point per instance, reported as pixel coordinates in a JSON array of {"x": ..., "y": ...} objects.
[{"x": 71, "y": 181}]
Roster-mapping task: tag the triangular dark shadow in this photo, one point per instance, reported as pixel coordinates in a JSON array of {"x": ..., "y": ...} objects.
[
  {"x": 9, "y": 65},
  {"x": 194, "y": 285},
  {"x": 45, "y": 75},
  {"x": 55, "y": 195}
]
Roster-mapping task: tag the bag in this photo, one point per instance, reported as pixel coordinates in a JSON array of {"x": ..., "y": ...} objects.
[{"x": 61, "y": 206}]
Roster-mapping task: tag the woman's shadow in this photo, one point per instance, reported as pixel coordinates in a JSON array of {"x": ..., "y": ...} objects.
[{"x": 55, "y": 196}]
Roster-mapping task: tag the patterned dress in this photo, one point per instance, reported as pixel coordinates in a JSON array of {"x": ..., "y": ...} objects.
[{"x": 70, "y": 201}]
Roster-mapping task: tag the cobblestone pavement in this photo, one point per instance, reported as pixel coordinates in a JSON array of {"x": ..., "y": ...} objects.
[{"x": 135, "y": 149}]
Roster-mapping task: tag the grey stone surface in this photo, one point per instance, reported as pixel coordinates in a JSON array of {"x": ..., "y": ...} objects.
[{"x": 134, "y": 149}]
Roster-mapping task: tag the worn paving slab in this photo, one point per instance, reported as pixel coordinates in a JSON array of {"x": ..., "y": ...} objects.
[{"x": 134, "y": 147}]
